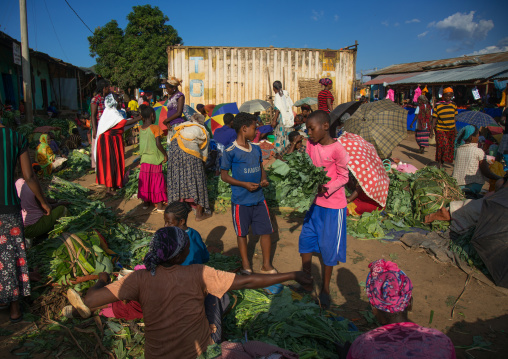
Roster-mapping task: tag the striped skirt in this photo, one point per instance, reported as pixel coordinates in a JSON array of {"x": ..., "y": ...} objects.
[
  {"x": 110, "y": 166},
  {"x": 422, "y": 138}
]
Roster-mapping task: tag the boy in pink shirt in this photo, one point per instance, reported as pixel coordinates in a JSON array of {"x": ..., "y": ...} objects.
[{"x": 324, "y": 227}]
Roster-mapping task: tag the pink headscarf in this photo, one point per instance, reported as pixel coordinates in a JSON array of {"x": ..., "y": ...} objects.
[
  {"x": 325, "y": 82},
  {"x": 388, "y": 288}
]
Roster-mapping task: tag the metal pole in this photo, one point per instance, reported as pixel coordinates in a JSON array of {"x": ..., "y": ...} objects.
[{"x": 25, "y": 63}]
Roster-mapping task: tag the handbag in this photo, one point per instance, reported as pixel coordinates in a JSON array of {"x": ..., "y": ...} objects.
[{"x": 432, "y": 140}]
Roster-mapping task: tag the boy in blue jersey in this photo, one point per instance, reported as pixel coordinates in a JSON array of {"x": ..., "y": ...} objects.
[{"x": 248, "y": 205}]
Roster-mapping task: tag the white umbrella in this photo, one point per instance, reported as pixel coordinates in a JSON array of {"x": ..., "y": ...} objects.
[{"x": 253, "y": 106}]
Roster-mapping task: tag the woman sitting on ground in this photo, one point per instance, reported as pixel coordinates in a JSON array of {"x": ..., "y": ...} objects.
[
  {"x": 358, "y": 201},
  {"x": 471, "y": 167},
  {"x": 35, "y": 221},
  {"x": 46, "y": 158},
  {"x": 390, "y": 295},
  {"x": 172, "y": 296}
]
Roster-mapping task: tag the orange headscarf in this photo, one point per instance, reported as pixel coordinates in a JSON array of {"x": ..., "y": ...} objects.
[{"x": 447, "y": 90}]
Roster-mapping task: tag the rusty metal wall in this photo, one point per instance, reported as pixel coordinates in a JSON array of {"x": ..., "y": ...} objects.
[{"x": 213, "y": 75}]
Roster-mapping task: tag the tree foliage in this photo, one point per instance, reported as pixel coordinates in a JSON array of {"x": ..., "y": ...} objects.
[{"x": 134, "y": 57}]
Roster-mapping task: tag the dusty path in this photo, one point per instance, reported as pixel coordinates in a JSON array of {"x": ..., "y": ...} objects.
[{"x": 482, "y": 310}]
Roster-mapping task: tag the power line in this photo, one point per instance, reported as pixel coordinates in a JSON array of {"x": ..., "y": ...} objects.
[
  {"x": 61, "y": 47},
  {"x": 78, "y": 16}
]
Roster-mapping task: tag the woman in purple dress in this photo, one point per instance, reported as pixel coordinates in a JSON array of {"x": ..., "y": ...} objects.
[{"x": 175, "y": 105}]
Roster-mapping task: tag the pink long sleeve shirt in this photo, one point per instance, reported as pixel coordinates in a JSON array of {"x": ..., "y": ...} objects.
[{"x": 334, "y": 159}]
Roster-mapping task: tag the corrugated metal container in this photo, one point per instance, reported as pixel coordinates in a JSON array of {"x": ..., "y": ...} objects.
[{"x": 213, "y": 75}]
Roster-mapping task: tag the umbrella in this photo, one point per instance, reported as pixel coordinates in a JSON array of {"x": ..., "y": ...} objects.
[
  {"x": 336, "y": 114},
  {"x": 306, "y": 101},
  {"x": 161, "y": 113},
  {"x": 490, "y": 238},
  {"x": 479, "y": 119},
  {"x": 254, "y": 106},
  {"x": 382, "y": 123},
  {"x": 217, "y": 119},
  {"x": 366, "y": 166}
]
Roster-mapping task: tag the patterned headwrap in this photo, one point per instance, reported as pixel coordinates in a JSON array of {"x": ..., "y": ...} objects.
[
  {"x": 173, "y": 81},
  {"x": 388, "y": 288},
  {"x": 447, "y": 90},
  {"x": 325, "y": 82},
  {"x": 464, "y": 134},
  {"x": 166, "y": 243},
  {"x": 110, "y": 101}
]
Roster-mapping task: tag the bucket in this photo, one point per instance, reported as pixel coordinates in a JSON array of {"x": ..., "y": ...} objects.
[{"x": 270, "y": 138}]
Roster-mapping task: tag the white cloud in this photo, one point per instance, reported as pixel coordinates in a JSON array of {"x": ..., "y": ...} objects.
[
  {"x": 336, "y": 17},
  {"x": 501, "y": 46},
  {"x": 412, "y": 21},
  {"x": 316, "y": 15},
  {"x": 385, "y": 23},
  {"x": 396, "y": 24},
  {"x": 462, "y": 29},
  {"x": 423, "y": 34}
]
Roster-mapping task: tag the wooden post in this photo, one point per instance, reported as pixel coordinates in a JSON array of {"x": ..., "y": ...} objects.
[{"x": 25, "y": 64}]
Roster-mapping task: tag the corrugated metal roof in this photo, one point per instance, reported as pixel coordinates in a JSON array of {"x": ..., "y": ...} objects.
[
  {"x": 501, "y": 76},
  {"x": 435, "y": 64},
  {"x": 390, "y": 78},
  {"x": 479, "y": 72}
]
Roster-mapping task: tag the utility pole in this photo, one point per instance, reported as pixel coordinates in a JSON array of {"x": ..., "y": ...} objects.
[{"x": 25, "y": 63}]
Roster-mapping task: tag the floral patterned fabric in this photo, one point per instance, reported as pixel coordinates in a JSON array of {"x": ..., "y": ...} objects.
[
  {"x": 14, "y": 282},
  {"x": 388, "y": 288},
  {"x": 402, "y": 340},
  {"x": 186, "y": 177}
]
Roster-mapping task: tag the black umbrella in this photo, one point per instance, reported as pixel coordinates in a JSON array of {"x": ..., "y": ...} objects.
[{"x": 336, "y": 114}]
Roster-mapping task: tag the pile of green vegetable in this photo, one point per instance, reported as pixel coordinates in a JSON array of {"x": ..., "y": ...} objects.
[
  {"x": 77, "y": 165},
  {"x": 294, "y": 184},
  {"x": 296, "y": 325}
]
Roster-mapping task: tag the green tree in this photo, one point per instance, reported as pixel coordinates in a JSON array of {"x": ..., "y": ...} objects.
[{"x": 135, "y": 57}]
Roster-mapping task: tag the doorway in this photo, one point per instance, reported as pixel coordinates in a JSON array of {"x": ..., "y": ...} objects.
[{"x": 44, "y": 88}]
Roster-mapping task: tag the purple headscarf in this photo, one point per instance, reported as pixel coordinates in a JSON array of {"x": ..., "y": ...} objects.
[
  {"x": 388, "y": 288},
  {"x": 325, "y": 82},
  {"x": 166, "y": 243}
]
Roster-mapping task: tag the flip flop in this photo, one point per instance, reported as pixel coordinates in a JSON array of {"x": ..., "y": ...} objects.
[
  {"x": 271, "y": 271},
  {"x": 246, "y": 271},
  {"x": 77, "y": 302}
]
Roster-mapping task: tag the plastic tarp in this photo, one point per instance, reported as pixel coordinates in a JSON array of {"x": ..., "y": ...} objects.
[
  {"x": 490, "y": 238},
  {"x": 65, "y": 93}
]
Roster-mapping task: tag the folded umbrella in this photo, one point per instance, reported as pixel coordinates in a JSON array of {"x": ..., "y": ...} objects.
[
  {"x": 306, "y": 101},
  {"x": 254, "y": 106},
  {"x": 382, "y": 123},
  {"x": 476, "y": 118},
  {"x": 339, "y": 111},
  {"x": 367, "y": 167}
]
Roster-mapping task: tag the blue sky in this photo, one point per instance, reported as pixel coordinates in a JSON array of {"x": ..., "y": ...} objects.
[{"x": 388, "y": 32}]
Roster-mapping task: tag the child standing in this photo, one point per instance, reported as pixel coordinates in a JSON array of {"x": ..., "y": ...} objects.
[
  {"x": 176, "y": 215},
  {"x": 152, "y": 184},
  {"x": 324, "y": 227},
  {"x": 248, "y": 205}
]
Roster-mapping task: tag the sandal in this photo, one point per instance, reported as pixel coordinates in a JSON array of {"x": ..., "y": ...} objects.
[
  {"x": 271, "y": 271},
  {"x": 77, "y": 302},
  {"x": 246, "y": 271}
]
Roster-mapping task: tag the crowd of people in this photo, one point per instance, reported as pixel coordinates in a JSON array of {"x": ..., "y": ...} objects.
[{"x": 174, "y": 269}]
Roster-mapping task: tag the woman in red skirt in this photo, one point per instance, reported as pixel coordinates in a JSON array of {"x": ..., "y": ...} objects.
[{"x": 109, "y": 148}]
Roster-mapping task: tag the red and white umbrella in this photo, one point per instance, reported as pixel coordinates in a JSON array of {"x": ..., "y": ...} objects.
[{"x": 366, "y": 166}]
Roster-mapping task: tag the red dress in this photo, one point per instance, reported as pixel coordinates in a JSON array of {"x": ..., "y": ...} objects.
[
  {"x": 364, "y": 203},
  {"x": 110, "y": 168}
]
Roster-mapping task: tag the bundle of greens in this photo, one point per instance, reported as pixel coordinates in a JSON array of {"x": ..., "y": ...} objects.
[
  {"x": 225, "y": 263},
  {"x": 298, "y": 326},
  {"x": 400, "y": 201},
  {"x": 9, "y": 119},
  {"x": 78, "y": 164},
  {"x": 461, "y": 244},
  {"x": 433, "y": 189},
  {"x": 77, "y": 255},
  {"x": 295, "y": 182},
  {"x": 131, "y": 187},
  {"x": 219, "y": 193},
  {"x": 374, "y": 225}
]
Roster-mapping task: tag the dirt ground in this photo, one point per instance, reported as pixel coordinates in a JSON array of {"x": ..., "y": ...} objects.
[{"x": 481, "y": 311}]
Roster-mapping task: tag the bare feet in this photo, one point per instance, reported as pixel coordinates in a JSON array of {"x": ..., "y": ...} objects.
[{"x": 203, "y": 216}]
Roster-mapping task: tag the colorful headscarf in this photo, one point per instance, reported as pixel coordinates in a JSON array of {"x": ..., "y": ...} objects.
[
  {"x": 45, "y": 155},
  {"x": 173, "y": 81},
  {"x": 464, "y": 134},
  {"x": 166, "y": 243},
  {"x": 448, "y": 90},
  {"x": 325, "y": 82},
  {"x": 388, "y": 288}
]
